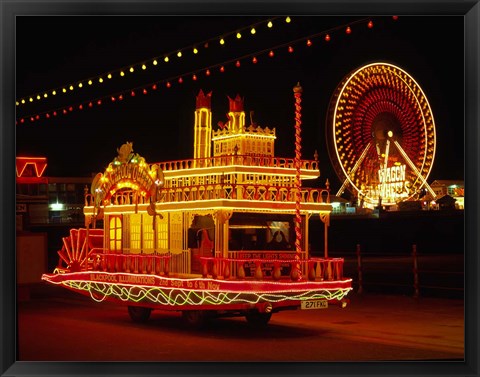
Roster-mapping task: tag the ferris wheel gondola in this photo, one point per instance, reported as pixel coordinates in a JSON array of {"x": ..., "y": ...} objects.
[{"x": 381, "y": 135}]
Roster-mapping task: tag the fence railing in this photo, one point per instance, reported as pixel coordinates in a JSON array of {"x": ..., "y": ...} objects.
[{"x": 411, "y": 272}]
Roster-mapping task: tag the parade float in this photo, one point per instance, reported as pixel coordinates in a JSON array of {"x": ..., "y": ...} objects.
[{"x": 225, "y": 233}]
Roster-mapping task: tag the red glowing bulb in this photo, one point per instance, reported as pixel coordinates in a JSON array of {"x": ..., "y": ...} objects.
[
  {"x": 194, "y": 77},
  {"x": 222, "y": 69},
  {"x": 80, "y": 107},
  {"x": 113, "y": 99},
  {"x": 180, "y": 80},
  {"x": 168, "y": 84},
  {"x": 370, "y": 24},
  {"x": 154, "y": 86},
  {"x": 207, "y": 72},
  {"x": 47, "y": 115},
  {"x": 395, "y": 18},
  {"x": 271, "y": 54},
  {"x": 37, "y": 117},
  {"x": 64, "y": 111},
  {"x": 144, "y": 91},
  {"x": 290, "y": 49},
  {"x": 31, "y": 118},
  {"x": 55, "y": 113},
  {"x": 348, "y": 30},
  {"x": 22, "y": 120},
  {"x": 120, "y": 97},
  {"x": 99, "y": 102},
  {"x": 309, "y": 42},
  {"x": 237, "y": 63},
  {"x": 254, "y": 60},
  {"x": 327, "y": 38}
]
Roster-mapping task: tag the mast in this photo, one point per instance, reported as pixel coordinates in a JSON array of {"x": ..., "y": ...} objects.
[{"x": 297, "y": 93}]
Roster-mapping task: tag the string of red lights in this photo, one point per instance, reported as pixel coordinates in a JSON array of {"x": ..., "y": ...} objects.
[{"x": 194, "y": 75}]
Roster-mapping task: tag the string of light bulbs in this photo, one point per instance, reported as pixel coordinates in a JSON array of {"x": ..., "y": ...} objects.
[
  {"x": 168, "y": 83},
  {"x": 145, "y": 64}
]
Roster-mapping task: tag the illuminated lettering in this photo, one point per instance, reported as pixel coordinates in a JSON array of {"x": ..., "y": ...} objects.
[
  {"x": 213, "y": 286},
  {"x": 392, "y": 174}
]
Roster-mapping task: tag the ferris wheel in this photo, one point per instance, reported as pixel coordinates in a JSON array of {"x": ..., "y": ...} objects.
[{"x": 381, "y": 135}]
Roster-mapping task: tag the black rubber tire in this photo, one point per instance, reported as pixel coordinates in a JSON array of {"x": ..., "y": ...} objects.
[
  {"x": 139, "y": 313},
  {"x": 194, "y": 318},
  {"x": 257, "y": 319}
]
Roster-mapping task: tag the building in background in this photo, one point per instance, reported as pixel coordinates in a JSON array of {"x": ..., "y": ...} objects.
[{"x": 43, "y": 200}]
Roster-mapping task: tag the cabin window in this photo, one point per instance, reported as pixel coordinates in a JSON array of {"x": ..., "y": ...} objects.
[
  {"x": 115, "y": 227},
  {"x": 135, "y": 233},
  {"x": 148, "y": 234}
]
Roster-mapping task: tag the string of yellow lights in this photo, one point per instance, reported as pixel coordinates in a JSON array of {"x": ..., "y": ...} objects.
[
  {"x": 203, "y": 72},
  {"x": 144, "y": 65}
]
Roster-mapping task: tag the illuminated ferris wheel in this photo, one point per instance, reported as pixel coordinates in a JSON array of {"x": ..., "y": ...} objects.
[{"x": 381, "y": 135}]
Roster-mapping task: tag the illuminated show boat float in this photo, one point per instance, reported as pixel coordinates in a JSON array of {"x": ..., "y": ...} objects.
[{"x": 221, "y": 235}]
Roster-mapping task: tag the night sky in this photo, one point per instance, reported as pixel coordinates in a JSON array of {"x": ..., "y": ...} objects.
[{"x": 54, "y": 52}]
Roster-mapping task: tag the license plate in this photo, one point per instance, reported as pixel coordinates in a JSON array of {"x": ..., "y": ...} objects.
[{"x": 314, "y": 304}]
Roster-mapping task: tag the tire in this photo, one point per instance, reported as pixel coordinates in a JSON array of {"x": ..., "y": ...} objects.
[
  {"x": 194, "y": 318},
  {"x": 139, "y": 313},
  {"x": 257, "y": 319}
]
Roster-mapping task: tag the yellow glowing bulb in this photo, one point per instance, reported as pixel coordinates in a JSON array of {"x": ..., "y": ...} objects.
[
  {"x": 90, "y": 82},
  {"x": 179, "y": 54},
  {"x": 239, "y": 35},
  {"x": 155, "y": 62},
  {"x": 270, "y": 24},
  {"x": 54, "y": 93},
  {"x": 131, "y": 69},
  {"x": 109, "y": 76},
  {"x": 23, "y": 101},
  {"x": 80, "y": 84},
  {"x": 287, "y": 20},
  {"x": 71, "y": 87},
  {"x": 17, "y": 103},
  {"x": 195, "y": 50},
  {"x": 222, "y": 41},
  {"x": 166, "y": 59},
  {"x": 122, "y": 73},
  {"x": 64, "y": 90},
  {"x": 100, "y": 80},
  {"x": 144, "y": 66},
  {"x": 253, "y": 31},
  {"x": 31, "y": 99},
  {"x": 38, "y": 97}
]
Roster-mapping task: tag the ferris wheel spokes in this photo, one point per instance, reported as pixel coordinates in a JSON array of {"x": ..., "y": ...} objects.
[
  {"x": 355, "y": 167},
  {"x": 414, "y": 168}
]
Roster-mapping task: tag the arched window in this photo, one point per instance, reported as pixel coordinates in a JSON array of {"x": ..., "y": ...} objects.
[{"x": 115, "y": 227}]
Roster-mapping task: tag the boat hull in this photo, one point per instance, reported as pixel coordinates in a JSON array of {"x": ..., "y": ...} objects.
[{"x": 187, "y": 293}]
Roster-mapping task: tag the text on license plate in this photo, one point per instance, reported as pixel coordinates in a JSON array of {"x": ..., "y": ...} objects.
[{"x": 314, "y": 304}]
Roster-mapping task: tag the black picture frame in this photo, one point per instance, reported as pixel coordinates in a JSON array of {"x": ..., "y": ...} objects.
[{"x": 9, "y": 366}]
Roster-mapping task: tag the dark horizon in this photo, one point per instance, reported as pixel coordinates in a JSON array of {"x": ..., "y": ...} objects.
[{"x": 160, "y": 124}]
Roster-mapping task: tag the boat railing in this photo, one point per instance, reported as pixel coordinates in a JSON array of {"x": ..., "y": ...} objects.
[
  {"x": 239, "y": 160},
  {"x": 122, "y": 197},
  {"x": 233, "y": 268},
  {"x": 158, "y": 264},
  {"x": 242, "y": 191},
  {"x": 317, "y": 269}
]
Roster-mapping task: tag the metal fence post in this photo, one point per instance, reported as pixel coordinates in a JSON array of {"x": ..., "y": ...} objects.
[
  {"x": 415, "y": 271},
  {"x": 359, "y": 262}
]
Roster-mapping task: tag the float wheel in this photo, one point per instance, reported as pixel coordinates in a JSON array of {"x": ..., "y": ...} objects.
[
  {"x": 194, "y": 318},
  {"x": 258, "y": 319},
  {"x": 139, "y": 313}
]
